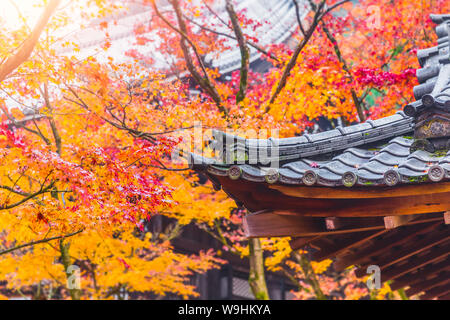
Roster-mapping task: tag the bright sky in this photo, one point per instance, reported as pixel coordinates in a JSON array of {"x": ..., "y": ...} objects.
[{"x": 29, "y": 8}]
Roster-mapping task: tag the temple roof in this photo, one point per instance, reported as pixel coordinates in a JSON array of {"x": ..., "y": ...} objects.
[
  {"x": 373, "y": 153},
  {"x": 317, "y": 190},
  {"x": 384, "y": 164}
]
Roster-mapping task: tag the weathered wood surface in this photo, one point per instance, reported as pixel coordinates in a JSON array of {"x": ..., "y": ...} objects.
[
  {"x": 257, "y": 197},
  {"x": 361, "y": 192},
  {"x": 418, "y": 275}
]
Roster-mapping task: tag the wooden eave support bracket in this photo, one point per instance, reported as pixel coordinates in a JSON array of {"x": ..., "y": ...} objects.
[
  {"x": 333, "y": 223},
  {"x": 392, "y": 222}
]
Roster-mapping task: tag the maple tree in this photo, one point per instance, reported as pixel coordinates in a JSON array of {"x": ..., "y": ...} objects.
[
  {"x": 85, "y": 157},
  {"x": 74, "y": 192}
]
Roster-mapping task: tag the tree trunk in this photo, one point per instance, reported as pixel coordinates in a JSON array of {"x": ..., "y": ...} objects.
[
  {"x": 257, "y": 279},
  {"x": 75, "y": 293},
  {"x": 310, "y": 276}
]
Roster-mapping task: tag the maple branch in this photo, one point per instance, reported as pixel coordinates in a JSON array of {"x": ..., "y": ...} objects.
[
  {"x": 223, "y": 34},
  {"x": 310, "y": 275},
  {"x": 29, "y": 197},
  {"x": 164, "y": 167},
  {"x": 294, "y": 280},
  {"x": 172, "y": 231},
  {"x": 299, "y": 20},
  {"x": 356, "y": 100},
  {"x": 75, "y": 293},
  {"x": 214, "y": 13},
  {"x": 122, "y": 126},
  {"x": 245, "y": 52},
  {"x": 334, "y": 6},
  {"x": 220, "y": 237},
  {"x": 297, "y": 51},
  {"x": 22, "y": 125},
  {"x": 25, "y": 50},
  {"x": 56, "y": 136},
  {"x": 39, "y": 132},
  {"x": 40, "y": 241},
  {"x": 203, "y": 81},
  {"x": 319, "y": 12},
  {"x": 13, "y": 190}
]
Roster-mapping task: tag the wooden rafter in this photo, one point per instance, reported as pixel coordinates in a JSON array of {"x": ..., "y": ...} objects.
[
  {"x": 436, "y": 292},
  {"x": 300, "y": 242},
  {"x": 438, "y": 280},
  {"x": 355, "y": 241},
  {"x": 415, "y": 263},
  {"x": 399, "y": 255},
  {"x": 416, "y": 276},
  {"x": 401, "y": 236}
]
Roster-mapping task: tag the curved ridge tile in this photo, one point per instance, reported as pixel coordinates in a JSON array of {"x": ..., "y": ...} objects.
[
  {"x": 396, "y": 150},
  {"x": 375, "y": 167},
  {"x": 388, "y": 160},
  {"x": 337, "y": 167}
]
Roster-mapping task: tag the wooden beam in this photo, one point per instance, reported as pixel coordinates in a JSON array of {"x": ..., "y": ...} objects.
[
  {"x": 418, "y": 204},
  {"x": 360, "y": 192},
  {"x": 270, "y": 224},
  {"x": 415, "y": 263},
  {"x": 278, "y": 223},
  {"x": 397, "y": 238},
  {"x": 284, "y": 223},
  {"x": 414, "y": 277},
  {"x": 257, "y": 196},
  {"x": 298, "y": 243},
  {"x": 439, "y": 279},
  {"x": 444, "y": 297},
  {"x": 392, "y": 222}
]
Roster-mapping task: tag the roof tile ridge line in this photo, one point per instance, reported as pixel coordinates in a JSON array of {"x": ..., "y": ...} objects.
[
  {"x": 443, "y": 61},
  {"x": 348, "y": 163},
  {"x": 309, "y": 136},
  {"x": 342, "y": 146},
  {"x": 418, "y": 156},
  {"x": 380, "y": 161},
  {"x": 411, "y": 167},
  {"x": 439, "y": 18},
  {"x": 329, "y": 167}
]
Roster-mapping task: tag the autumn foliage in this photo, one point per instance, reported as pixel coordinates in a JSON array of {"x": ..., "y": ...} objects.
[{"x": 85, "y": 144}]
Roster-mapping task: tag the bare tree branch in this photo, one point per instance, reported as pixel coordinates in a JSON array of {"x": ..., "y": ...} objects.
[
  {"x": 245, "y": 52},
  {"x": 40, "y": 241},
  {"x": 223, "y": 34},
  {"x": 29, "y": 197},
  {"x": 204, "y": 81},
  {"x": 299, "y": 19},
  {"x": 56, "y": 136}
]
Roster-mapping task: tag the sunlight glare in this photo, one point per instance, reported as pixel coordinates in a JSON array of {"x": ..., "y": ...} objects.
[{"x": 30, "y": 9}]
